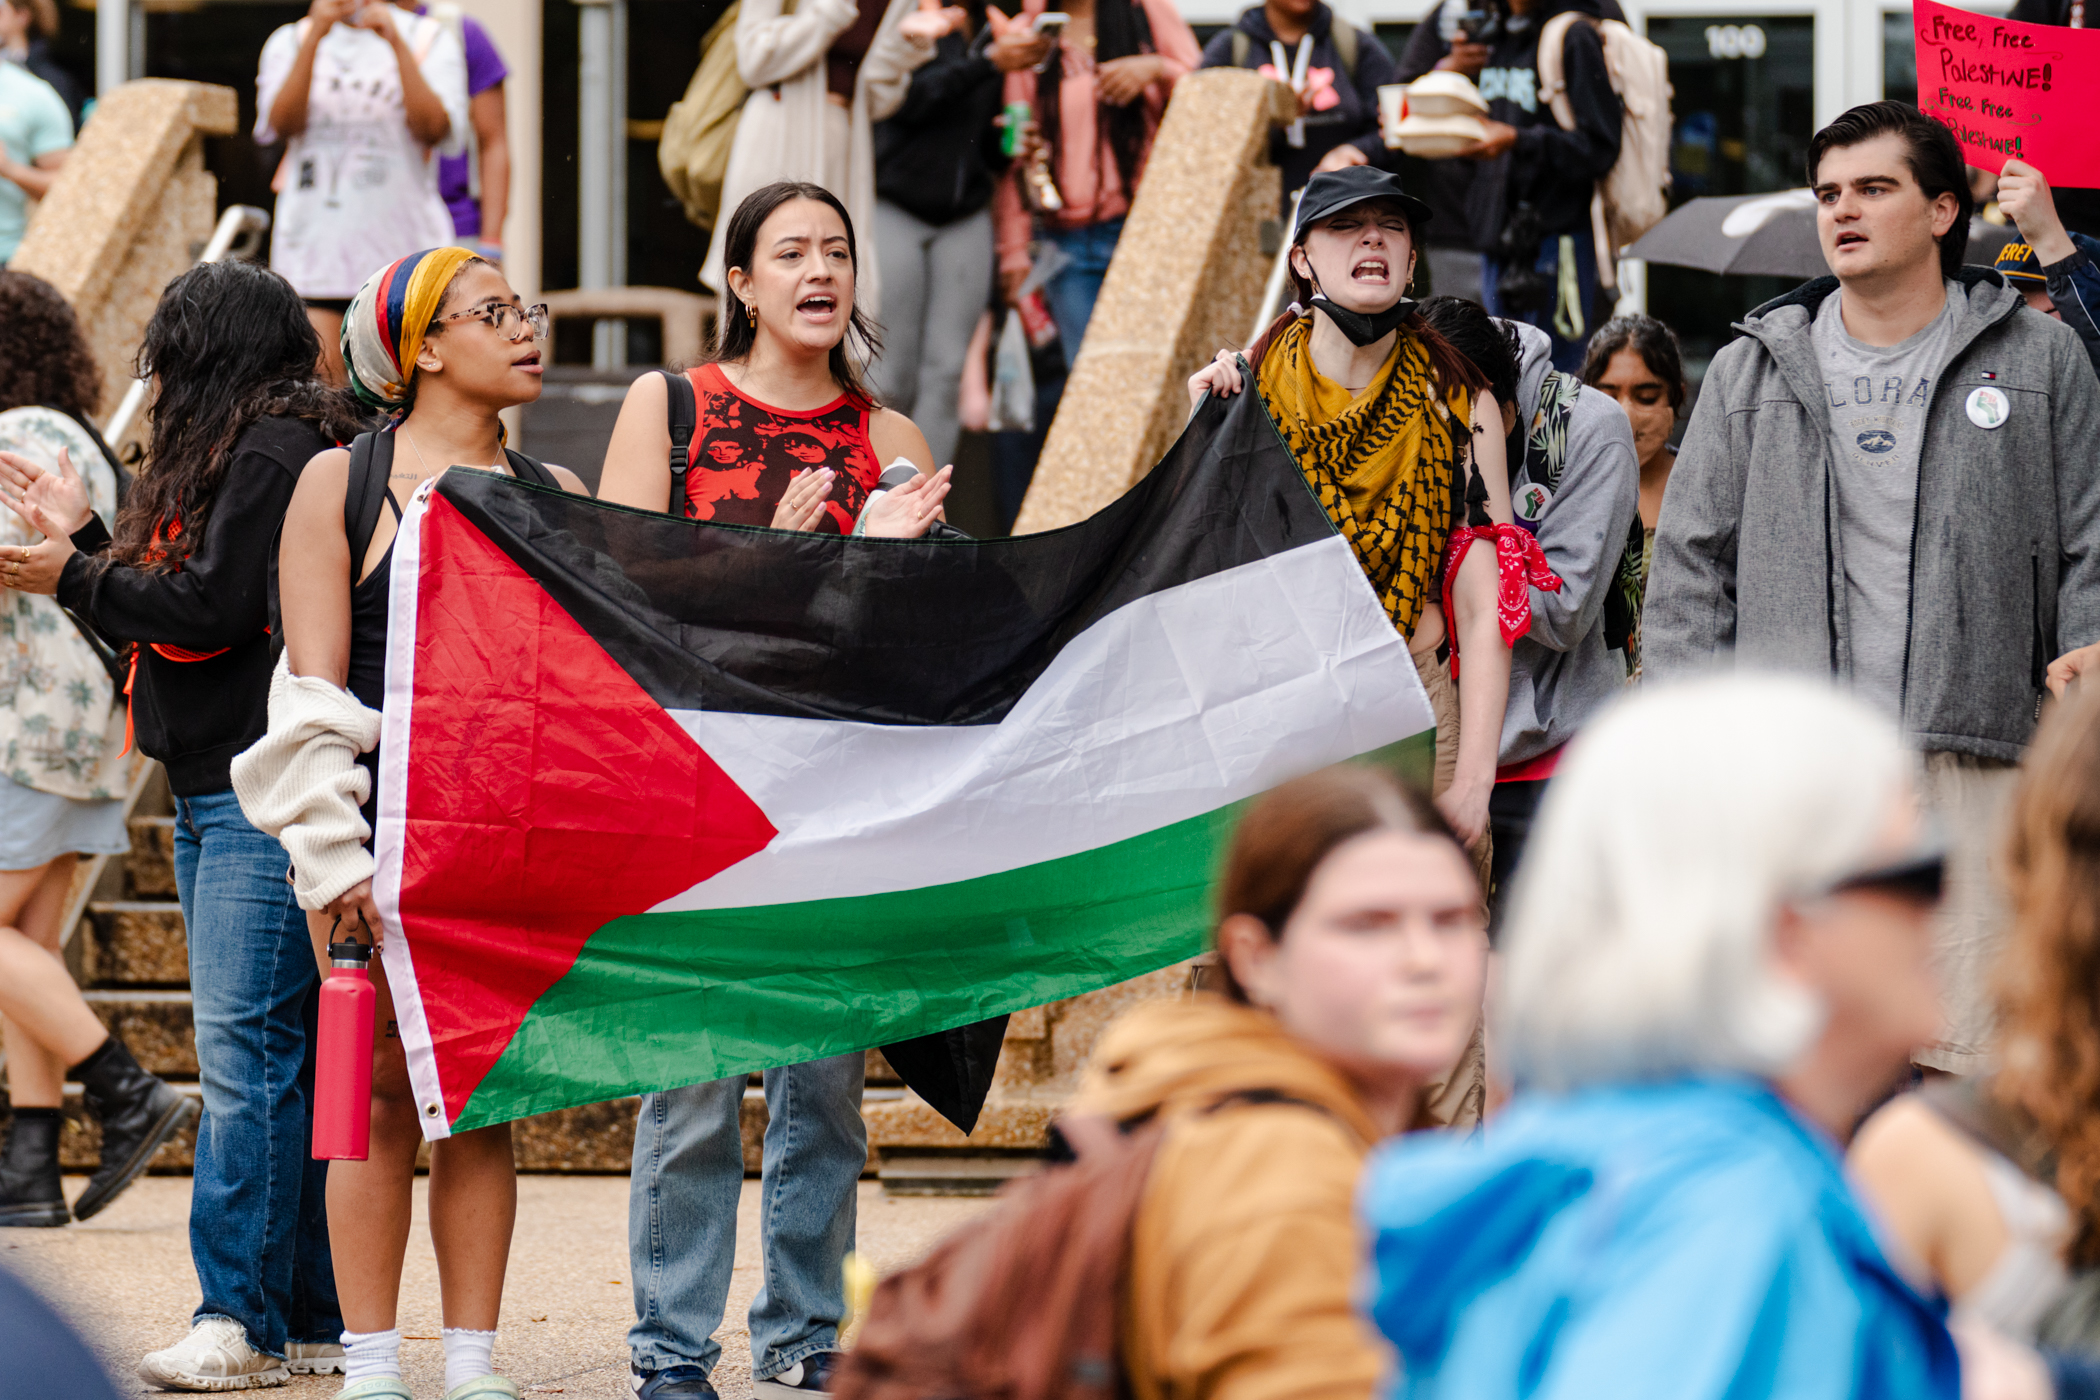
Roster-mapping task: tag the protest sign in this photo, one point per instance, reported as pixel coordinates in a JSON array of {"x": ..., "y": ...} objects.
[{"x": 2011, "y": 91}]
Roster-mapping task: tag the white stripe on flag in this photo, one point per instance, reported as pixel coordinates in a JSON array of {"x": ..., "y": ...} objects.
[{"x": 1171, "y": 707}]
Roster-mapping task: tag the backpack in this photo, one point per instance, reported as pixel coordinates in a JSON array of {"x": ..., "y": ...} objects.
[
  {"x": 1633, "y": 197},
  {"x": 1024, "y": 1302},
  {"x": 1340, "y": 33},
  {"x": 700, "y": 128},
  {"x": 684, "y": 409},
  {"x": 1545, "y": 458},
  {"x": 364, "y": 496}
]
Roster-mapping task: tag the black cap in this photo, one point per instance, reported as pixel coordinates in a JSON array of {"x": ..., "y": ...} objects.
[
  {"x": 2018, "y": 265},
  {"x": 1332, "y": 191}
]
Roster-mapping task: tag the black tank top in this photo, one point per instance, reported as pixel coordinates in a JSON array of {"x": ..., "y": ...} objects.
[{"x": 368, "y": 606}]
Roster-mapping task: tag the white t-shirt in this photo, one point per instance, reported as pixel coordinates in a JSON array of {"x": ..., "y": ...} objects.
[{"x": 357, "y": 189}]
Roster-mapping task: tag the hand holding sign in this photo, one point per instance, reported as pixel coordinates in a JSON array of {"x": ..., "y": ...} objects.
[{"x": 2011, "y": 91}]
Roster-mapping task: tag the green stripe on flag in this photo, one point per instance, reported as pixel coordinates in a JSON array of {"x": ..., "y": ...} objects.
[{"x": 660, "y": 1000}]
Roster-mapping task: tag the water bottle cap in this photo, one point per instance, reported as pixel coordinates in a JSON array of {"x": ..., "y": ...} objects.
[{"x": 350, "y": 954}]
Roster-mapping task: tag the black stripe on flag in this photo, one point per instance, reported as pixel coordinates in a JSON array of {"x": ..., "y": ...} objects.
[{"x": 921, "y": 632}]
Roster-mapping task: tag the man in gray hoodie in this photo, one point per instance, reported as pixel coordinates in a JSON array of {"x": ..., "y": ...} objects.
[
  {"x": 1893, "y": 478},
  {"x": 1575, "y": 483}
]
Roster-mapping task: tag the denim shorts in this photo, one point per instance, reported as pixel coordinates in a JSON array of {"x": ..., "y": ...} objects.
[{"x": 37, "y": 828}]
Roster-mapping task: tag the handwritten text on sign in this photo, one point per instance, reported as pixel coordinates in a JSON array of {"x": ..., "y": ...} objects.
[{"x": 2011, "y": 91}]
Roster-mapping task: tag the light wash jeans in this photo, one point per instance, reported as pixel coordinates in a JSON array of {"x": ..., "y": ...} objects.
[
  {"x": 1075, "y": 289},
  {"x": 258, "y": 1204},
  {"x": 935, "y": 278},
  {"x": 681, "y": 1215}
]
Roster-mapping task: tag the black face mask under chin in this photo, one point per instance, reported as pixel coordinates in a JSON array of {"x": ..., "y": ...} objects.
[{"x": 1362, "y": 329}]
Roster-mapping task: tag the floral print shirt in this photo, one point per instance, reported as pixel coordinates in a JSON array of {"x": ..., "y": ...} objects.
[{"x": 61, "y": 720}]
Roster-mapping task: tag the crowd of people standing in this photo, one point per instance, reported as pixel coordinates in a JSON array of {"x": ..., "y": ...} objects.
[{"x": 1737, "y": 916}]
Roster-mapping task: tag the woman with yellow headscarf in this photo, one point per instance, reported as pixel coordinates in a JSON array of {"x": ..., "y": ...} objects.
[{"x": 439, "y": 340}]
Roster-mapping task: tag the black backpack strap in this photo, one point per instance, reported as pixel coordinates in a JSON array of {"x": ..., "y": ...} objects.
[
  {"x": 530, "y": 469},
  {"x": 371, "y": 459},
  {"x": 684, "y": 414}
]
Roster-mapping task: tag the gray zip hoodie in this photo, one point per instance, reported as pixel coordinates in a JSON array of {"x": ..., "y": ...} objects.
[
  {"x": 1560, "y": 672},
  {"x": 2005, "y": 545}
]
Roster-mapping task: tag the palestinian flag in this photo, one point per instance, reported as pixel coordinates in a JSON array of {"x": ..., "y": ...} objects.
[{"x": 663, "y": 801}]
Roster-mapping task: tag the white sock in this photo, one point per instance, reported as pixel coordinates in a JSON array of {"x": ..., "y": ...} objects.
[
  {"x": 467, "y": 1355},
  {"x": 368, "y": 1354}
]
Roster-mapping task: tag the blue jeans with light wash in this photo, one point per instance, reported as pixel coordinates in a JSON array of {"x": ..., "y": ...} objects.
[
  {"x": 258, "y": 1204},
  {"x": 1567, "y": 350},
  {"x": 681, "y": 1215},
  {"x": 1075, "y": 289}
]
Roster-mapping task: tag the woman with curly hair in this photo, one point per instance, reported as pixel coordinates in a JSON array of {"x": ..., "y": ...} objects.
[
  {"x": 1993, "y": 1182},
  {"x": 62, "y": 741},
  {"x": 237, "y": 414}
]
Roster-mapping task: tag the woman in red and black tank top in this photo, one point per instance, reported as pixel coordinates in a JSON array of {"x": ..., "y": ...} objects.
[{"x": 787, "y": 433}]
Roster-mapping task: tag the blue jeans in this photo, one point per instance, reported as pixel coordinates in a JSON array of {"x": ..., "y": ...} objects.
[
  {"x": 1075, "y": 289},
  {"x": 258, "y": 1206},
  {"x": 1567, "y": 350},
  {"x": 681, "y": 1215}
]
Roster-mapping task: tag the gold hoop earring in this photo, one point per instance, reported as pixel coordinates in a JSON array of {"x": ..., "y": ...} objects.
[{"x": 752, "y": 312}]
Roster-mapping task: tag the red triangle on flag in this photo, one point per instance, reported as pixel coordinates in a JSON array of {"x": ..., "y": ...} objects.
[{"x": 547, "y": 795}]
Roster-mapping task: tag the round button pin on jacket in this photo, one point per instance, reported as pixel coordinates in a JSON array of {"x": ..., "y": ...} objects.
[{"x": 1988, "y": 407}]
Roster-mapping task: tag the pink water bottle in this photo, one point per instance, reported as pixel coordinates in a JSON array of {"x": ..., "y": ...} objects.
[{"x": 343, "y": 1058}]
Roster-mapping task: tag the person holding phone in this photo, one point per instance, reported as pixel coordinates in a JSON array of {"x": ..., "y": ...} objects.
[
  {"x": 363, "y": 93},
  {"x": 1097, "y": 87}
]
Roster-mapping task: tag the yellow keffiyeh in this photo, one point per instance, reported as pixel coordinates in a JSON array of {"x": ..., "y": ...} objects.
[{"x": 1383, "y": 462}]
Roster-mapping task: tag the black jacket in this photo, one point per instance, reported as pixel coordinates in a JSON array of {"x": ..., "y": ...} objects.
[
  {"x": 1552, "y": 170},
  {"x": 1352, "y": 120},
  {"x": 937, "y": 157},
  {"x": 194, "y": 716}
]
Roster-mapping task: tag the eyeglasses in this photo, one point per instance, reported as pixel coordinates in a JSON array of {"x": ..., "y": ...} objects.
[
  {"x": 1921, "y": 877},
  {"x": 503, "y": 314}
]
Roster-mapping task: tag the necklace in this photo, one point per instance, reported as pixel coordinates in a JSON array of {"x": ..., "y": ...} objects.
[{"x": 503, "y": 467}]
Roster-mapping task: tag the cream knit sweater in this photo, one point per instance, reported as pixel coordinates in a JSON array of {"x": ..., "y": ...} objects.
[{"x": 301, "y": 782}]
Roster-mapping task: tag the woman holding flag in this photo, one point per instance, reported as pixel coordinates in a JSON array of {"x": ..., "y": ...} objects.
[
  {"x": 1400, "y": 439},
  {"x": 784, "y": 432},
  {"x": 439, "y": 340}
]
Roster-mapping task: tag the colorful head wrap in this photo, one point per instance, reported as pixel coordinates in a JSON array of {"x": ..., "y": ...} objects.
[{"x": 388, "y": 318}]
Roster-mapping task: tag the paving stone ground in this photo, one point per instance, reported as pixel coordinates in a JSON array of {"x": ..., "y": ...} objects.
[{"x": 125, "y": 1279}]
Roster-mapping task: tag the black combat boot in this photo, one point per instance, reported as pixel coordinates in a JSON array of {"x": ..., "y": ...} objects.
[
  {"x": 29, "y": 1189},
  {"x": 137, "y": 1112}
]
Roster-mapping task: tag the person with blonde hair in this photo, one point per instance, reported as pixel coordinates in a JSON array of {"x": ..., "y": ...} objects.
[
  {"x": 1716, "y": 961},
  {"x": 1993, "y": 1183}
]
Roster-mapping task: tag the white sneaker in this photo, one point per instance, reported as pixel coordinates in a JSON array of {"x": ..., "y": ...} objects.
[
  {"x": 314, "y": 1358},
  {"x": 215, "y": 1356}
]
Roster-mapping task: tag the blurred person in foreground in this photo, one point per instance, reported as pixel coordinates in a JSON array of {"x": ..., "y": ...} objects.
[
  {"x": 1993, "y": 1183},
  {"x": 1889, "y": 480},
  {"x": 371, "y": 100},
  {"x": 27, "y": 28},
  {"x": 1573, "y": 485},
  {"x": 62, "y": 773},
  {"x": 1335, "y": 68},
  {"x": 1717, "y": 961},
  {"x": 2058, "y": 273},
  {"x": 1354, "y": 956},
  {"x": 36, "y": 133}
]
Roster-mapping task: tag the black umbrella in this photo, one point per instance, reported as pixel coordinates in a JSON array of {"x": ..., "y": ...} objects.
[{"x": 1770, "y": 235}]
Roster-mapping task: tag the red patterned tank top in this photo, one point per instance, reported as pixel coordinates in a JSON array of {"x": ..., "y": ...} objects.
[{"x": 745, "y": 453}]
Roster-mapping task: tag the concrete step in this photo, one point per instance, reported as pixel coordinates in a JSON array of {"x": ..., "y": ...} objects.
[
  {"x": 135, "y": 943},
  {"x": 932, "y": 1172},
  {"x": 149, "y": 871},
  {"x": 157, "y": 1026}
]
